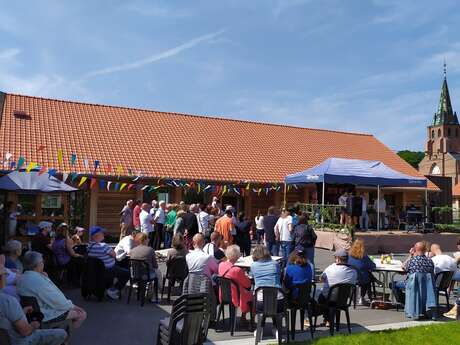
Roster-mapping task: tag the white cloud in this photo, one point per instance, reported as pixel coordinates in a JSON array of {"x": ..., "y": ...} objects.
[
  {"x": 8, "y": 54},
  {"x": 154, "y": 58},
  {"x": 284, "y": 5}
]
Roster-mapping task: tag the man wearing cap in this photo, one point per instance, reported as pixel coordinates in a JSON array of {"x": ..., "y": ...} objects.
[
  {"x": 13, "y": 319},
  {"x": 338, "y": 273},
  {"x": 100, "y": 250},
  {"x": 41, "y": 243}
]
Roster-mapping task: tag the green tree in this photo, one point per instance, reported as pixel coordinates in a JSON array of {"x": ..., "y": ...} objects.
[{"x": 412, "y": 157}]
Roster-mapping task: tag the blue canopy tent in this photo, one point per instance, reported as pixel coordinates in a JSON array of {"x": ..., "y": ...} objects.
[
  {"x": 33, "y": 182},
  {"x": 357, "y": 172}
]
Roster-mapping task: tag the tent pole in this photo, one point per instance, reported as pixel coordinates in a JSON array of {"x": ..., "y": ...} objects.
[
  {"x": 378, "y": 208},
  {"x": 322, "y": 202},
  {"x": 284, "y": 199},
  {"x": 426, "y": 205}
]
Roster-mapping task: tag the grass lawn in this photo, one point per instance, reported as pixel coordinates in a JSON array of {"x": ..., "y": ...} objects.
[{"x": 439, "y": 334}]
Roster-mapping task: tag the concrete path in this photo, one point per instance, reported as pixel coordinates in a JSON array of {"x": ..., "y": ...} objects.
[{"x": 116, "y": 322}]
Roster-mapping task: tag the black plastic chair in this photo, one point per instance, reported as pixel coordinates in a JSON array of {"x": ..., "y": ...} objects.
[
  {"x": 188, "y": 323},
  {"x": 442, "y": 282},
  {"x": 94, "y": 280},
  {"x": 31, "y": 301},
  {"x": 6, "y": 340},
  {"x": 176, "y": 271},
  {"x": 302, "y": 301},
  {"x": 270, "y": 309},
  {"x": 225, "y": 286},
  {"x": 141, "y": 275},
  {"x": 338, "y": 299}
]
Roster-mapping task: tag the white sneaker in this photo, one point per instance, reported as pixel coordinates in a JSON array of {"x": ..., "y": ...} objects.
[{"x": 113, "y": 293}]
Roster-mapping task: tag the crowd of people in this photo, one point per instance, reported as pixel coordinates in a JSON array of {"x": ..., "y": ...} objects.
[{"x": 210, "y": 240}]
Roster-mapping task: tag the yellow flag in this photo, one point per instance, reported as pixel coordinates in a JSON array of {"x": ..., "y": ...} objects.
[
  {"x": 59, "y": 156},
  {"x": 31, "y": 166},
  {"x": 83, "y": 180},
  {"x": 123, "y": 185},
  {"x": 119, "y": 170}
]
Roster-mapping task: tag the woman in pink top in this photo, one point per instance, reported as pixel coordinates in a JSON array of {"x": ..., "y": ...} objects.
[{"x": 227, "y": 269}]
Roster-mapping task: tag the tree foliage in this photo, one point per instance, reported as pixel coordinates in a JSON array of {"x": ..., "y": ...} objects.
[{"x": 412, "y": 157}]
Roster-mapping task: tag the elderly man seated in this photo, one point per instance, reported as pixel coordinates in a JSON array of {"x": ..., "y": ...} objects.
[
  {"x": 201, "y": 268},
  {"x": 337, "y": 273},
  {"x": 442, "y": 262},
  {"x": 13, "y": 319},
  {"x": 124, "y": 247},
  {"x": 417, "y": 262},
  {"x": 52, "y": 302},
  {"x": 102, "y": 251},
  {"x": 13, "y": 251}
]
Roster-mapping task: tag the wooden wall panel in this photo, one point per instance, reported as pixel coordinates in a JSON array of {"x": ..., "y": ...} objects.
[{"x": 109, "y": 205}]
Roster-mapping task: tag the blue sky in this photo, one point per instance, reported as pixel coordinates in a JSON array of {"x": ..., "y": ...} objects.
[{"x": 366, "y": 66}]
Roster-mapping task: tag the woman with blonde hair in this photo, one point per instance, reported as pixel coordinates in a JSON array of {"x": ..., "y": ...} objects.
[{"x": 358, "y": 259}]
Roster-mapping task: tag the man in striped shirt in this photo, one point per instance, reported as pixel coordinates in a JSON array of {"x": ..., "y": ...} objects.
[{"x": 102, "y": 251}]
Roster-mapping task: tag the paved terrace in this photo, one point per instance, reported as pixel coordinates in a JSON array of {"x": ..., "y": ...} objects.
[{"x": 116, "y": 322}]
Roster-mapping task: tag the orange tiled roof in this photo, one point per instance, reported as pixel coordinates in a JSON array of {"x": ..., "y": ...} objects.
[{"x": 175, "y": 145}]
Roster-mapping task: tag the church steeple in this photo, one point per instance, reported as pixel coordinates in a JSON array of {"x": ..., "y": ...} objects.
[{"x": 445, "y": 115}]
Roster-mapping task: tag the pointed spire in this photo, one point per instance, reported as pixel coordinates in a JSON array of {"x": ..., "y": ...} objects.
[{"x": 445, "y": 115}]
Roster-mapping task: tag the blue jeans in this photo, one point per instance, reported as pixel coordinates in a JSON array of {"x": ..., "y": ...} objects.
[
  {"x": 364, "y": 221},
  {"x": 273, "y": 248},
  {"x": 168, "y": 239},
  {"x": 44, "y": 336},
  {"x": 286, "y": 249},
  {"x": 398, "y": 288}
]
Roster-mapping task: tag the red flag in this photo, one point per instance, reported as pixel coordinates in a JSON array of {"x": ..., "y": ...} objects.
[
  {"x": 42, "y": 171},
  {"x": 41, "y": 148},
  {"x": 93, "y": 183}
]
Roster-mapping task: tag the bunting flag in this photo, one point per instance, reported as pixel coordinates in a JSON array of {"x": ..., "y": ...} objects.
[
  {"x": 248, "y": 186},
  {"x": 59, "y": 157},
  {"x": 86, "y": 163},
  {"x": 109, "y": 168},
  {"x": 96, "y": 165},
  {"x": 42, "y": 171},
  {"x": 73, "y": 176},
  {"x": 101, "y": 184},
  {"x": 73, "y": 159},
  {"x": 40, "y": 148},
  {"x": 131, "y": 186},
  {"x": 207, "y": 187},
  {"x": 119, "y": 170},
  {"x": 52, "y": 172},
  {"x": 123, "y": 185},
  {"x": 21, "y": 162},
  {"x": 224, "y": 190},
  {"x": 31, "y": 166},
  {"x": 130, "y": 172},
  {"x": 8, "y": 156},
  {"x": 64, "y": 177},
  {"x": 12, "y": 165},
  {"x": 136, "y": 179},
  {"x": 93, "y": 183},
  {"x": 198, "y": 188},
  {"x": 145, "y": 187},
  {"x": 108, "y": 184},
  {"x": 83, "y": 180}
]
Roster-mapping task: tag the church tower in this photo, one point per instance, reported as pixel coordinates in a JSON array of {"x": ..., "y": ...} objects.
[
  {"x": 443, "y": 134},
  {"x": 443, "y": 137}
]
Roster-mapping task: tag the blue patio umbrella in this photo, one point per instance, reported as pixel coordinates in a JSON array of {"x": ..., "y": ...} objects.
[{"x": 33, "y": 182}]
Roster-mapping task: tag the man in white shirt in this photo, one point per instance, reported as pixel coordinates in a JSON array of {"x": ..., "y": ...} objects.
[
  {"x": 442, "y": 262},
  {"x": 200, "y": 262},
  {"x": 147, "y": 221},
  {"x": 364, "y": 219},
  {"x": 283, "y": 229},
  {"x": 124, "y": 247},
  {"x": 213, "y": 247},
  {"x": 159, "y": 220},
  {"x": 338, "y": 272},
  {"x": 203, "y": 222}
]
